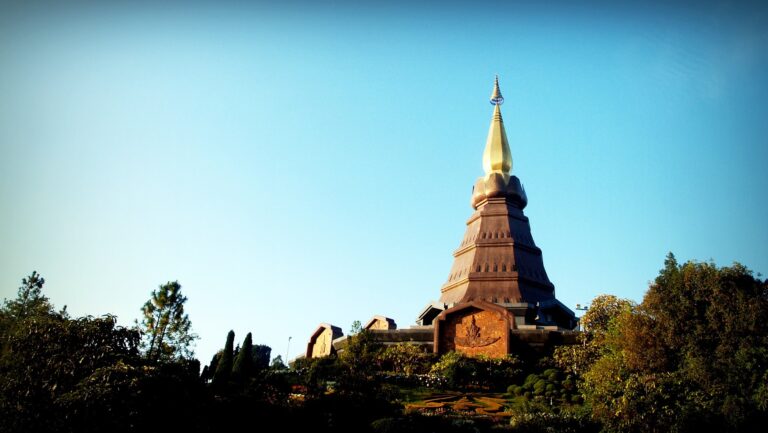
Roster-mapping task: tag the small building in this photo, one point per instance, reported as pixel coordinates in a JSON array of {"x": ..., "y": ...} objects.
[
  {"x": 321, "y": 342},
  {"x": 380, "y": 323}
]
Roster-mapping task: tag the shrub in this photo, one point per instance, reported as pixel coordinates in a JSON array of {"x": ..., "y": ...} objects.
[
  {"x": 547, "y": 422},
  {"x": 407, "y": 359},
  {"x": 552, "y": 374},
  {"x": 362, "y": 354},
  {"x": 392, "y": 425},
  {"x": 568, "y": 384},
  {"x": 530, "y": 380},
  {"x": 455, "y": 368},
  {"x": 224, "y": 367}
]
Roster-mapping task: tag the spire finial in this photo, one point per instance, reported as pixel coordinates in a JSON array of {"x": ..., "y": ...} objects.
[
  {"x": 497, "y": 158},
  {"x": 496, "y": 98}
]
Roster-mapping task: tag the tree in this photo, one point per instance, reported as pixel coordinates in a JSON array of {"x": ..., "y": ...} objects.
[
  {"x": 30, "y": 300},
  {"x": 210, "y": 370},
  {"x": 597, "y": 322},
  {"x": 356, "y": 327},
  {"x": 85, "y": 374},
  {"x": 166, "y": 328},
  {"x": 224, "y": 367},
  {"x": 243, "y": 367},
  {"x": 261, "y": 356},
  {"x": 48, "y": 358},
  {"x": 407, "y": 359},
  {"x": 361, "y": 355},
  {"x": 278, "y": 364},
  {"x": 693, "y": 356}
]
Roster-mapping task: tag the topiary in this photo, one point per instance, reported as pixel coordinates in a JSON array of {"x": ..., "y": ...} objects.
[
  {"x": 224, "y": 367},
  {"x": 552, "y": 374}
]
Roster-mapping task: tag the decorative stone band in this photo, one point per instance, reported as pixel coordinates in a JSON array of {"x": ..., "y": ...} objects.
[{"x": 496, "y": 185}]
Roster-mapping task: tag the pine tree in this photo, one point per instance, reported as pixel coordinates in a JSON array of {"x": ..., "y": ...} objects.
[
  {"x": 278, "y": 364},
  {"x": 243, "y": 367},
  {"x": 224, "y": 368},
  {"x": 30, "y": 300},
  {"x": 166, "y": 327}
]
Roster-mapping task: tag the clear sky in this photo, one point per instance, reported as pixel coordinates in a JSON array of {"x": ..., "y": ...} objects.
[{"x": 314, "y": 162}]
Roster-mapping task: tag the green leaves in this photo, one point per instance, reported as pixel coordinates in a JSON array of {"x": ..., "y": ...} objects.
[
  {"x": 693, "y": 356},
  {"x": 407, "y": 359},
  {"x": 48, "y": 358},
  {"x": 224, "y": 367},
  {"x": 243, "y": 367},
  {"x": 166, "y": 328},
  {"x": 29, "y": 302}
]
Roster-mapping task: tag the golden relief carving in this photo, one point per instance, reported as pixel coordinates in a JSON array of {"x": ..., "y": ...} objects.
[
  {"x": 473, "y": 337},
  {"x": 321, "y": 344}
]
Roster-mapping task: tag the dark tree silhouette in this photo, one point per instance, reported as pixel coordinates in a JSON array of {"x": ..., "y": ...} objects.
[
  {"x": 243, "y": 367},
  {"x": 224, "y": 367},
  {"x": 166, "y": 328}
]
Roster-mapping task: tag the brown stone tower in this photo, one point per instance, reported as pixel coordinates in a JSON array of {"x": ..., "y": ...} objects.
[{"x": 497, "y": 260}]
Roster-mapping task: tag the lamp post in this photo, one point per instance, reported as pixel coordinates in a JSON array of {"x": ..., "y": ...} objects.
[
  {"x": 579, "y": 307},
  {"x": 288, "y": 350}
]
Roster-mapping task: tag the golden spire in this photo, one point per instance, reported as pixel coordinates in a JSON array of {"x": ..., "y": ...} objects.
[{"x": 497, "y": 158}]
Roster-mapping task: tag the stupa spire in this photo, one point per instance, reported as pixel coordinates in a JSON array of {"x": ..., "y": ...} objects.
[{"x": 497, "y": 158}]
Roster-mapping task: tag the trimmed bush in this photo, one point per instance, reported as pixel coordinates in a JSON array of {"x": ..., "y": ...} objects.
[{"x": 224, "y": 367}]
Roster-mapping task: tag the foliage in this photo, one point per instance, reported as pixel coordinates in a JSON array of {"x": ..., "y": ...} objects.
[
  {"x": 47, "y": 357},
  {"x": 551, "y": 422},
  {"x": 361, "y": 356},
  {"x": 316, "y": 373},
  {"x": 454, "y": 368},
  {"x": 85, "y": 374},
  {"x": 210, "y": 370},
  {"x": 224, "y": 365},
  {"x": 345, "y": 395},
  {"x": 602, "y": 312},
  {"x": 407, "y": 359},
  {"x": 261, "y": 355},
  {"x": 417, "y": 423},
  {"x": 126, "y": 397},
  {"x": 693, "y": 355},
  {"x": 597, "y": 322},
  {"x": 356, "y": 327},
  {"x": 30, "y": 301},
  {"x": 495, "y": 372},
  {"x": 549, "y": 388},
  {"x": 243, "y": 367},
  {"x": 461, "y": 371},
  {"x": 166, "y": 327},
  {"x": 278, "y": 364}
]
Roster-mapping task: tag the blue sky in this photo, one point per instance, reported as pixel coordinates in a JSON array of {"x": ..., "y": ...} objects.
[{"x": 314, "y": 162}]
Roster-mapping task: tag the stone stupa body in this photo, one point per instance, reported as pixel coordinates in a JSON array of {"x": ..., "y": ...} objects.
[
  {"x": 498, "y": 298},
  {"x": 497, "y": 261}
]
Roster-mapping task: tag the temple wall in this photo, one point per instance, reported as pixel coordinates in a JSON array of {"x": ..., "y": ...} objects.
[{"x": 475, "y": 332}]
